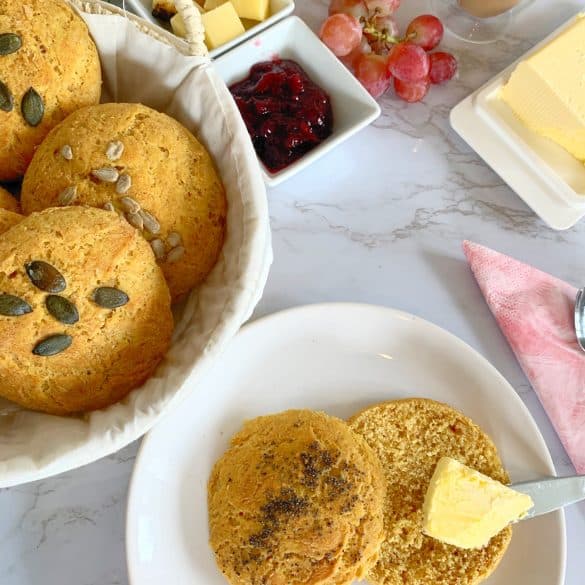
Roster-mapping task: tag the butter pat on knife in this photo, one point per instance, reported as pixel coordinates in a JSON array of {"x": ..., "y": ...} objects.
[{"x": 466, "y": 509}]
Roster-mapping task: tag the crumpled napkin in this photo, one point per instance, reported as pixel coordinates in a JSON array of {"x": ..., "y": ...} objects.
[{"x": 535, "y": 311}]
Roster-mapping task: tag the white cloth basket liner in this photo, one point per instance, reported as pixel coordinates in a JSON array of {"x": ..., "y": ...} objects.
[{"x": 138, "y": 68}]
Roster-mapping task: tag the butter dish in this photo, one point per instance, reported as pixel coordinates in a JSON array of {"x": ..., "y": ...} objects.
[{"x": 549, "y": 179}]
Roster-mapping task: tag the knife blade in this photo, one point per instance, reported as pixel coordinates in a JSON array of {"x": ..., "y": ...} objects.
[{"x": 552, "y": 494}]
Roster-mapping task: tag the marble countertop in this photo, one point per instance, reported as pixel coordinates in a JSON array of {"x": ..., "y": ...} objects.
[{"x": 379, "y": 220}]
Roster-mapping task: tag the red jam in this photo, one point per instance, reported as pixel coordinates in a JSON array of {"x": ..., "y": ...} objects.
[{"x": 285, "y": 112}]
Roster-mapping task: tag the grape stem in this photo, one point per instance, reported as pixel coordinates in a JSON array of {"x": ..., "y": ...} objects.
[{"x": 380, "y": 35}]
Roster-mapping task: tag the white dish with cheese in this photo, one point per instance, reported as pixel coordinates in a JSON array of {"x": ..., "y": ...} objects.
[
  {"x": 226, "y": 28},
  {"x": 528, "y": 124}
]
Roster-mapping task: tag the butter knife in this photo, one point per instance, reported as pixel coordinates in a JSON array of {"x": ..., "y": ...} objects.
[{"x": 552, "y": 494}]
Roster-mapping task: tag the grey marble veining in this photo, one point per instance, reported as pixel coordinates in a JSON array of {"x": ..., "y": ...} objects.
[{"x": 379, "y": 220}]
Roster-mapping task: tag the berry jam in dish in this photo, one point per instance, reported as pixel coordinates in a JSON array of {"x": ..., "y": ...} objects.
[{"x": 286, "y": 113}]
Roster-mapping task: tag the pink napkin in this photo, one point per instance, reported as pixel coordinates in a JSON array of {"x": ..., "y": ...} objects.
[{"x": 535, "y": 312}]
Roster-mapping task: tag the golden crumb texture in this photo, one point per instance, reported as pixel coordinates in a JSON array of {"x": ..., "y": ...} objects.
[
  {"x": 296, "y": 499},
  {"x": 59, "y": 259},
  {"x": 8, "y": 201},
  {"x": 409, "y": 437},
  {"x": 58, "y": 59},
  {"x": 151, "y": 170},
  {"x": 8, "y": 219}
]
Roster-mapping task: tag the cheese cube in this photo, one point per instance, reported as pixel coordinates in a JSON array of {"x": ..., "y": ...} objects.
[
  {"x": 252, "y": 9},
  {"x": 248, "y": 24},
  {"x": 211, "y": 4},
  {"x": 222, "y": 24}
]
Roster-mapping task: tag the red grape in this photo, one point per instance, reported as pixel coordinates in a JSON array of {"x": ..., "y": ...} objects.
[
  {"x": 382, "y": 7},
  {"x": 426, "y": 31},
  {"x": 411, "y": 92},
  {"x": 408, "y": 62},
  {"x": 355, "y": 8},
  {"x": 342, "y": 33},
  {"x": 350, "y": 60},
  {"x": 372, "y": 72},
  {"x": 443, "y": 67},
  {"x": 380, "y": 47}
]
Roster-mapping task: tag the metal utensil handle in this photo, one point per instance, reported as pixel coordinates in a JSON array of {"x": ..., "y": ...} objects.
[
  {"x": 580, "y": 315},
  {"x": 551, "y": 494},
  {"x": 195, "y": 32}
]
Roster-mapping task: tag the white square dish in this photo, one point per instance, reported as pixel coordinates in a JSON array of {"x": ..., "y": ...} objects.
[
  {"x": 544, "y": 175},
  {"x": 279, "y": 9},
  {"x": 353, "y": 107}
]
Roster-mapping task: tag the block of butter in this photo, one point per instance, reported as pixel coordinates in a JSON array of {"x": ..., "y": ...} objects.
[
  {"x": 547, "y": 90},
  {"x": 466, "y": 509},
  {"x": 222, "y": 24}
]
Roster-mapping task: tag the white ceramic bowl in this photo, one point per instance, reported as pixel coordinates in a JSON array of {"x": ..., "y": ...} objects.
[
  {"x": 353, "y": 107},
  {"x": 544, "y": 175},
  {"x": 279, "y": 9}
]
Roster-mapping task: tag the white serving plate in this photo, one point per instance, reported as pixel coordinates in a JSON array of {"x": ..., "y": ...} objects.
[
  {"x": 353, "y": 107},
  {"x": 338, "y": 358},
  {"x": 279, "y": 9},
  {"x": 544, "y": 175}
]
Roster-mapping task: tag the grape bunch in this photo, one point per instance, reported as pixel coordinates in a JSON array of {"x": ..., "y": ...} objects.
[{"x": 365, "y": 37}]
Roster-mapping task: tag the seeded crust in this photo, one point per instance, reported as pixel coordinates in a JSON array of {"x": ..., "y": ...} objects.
[
  {"x": 297, "y": 499},
  {"x": 409, "y": 437},
  {"x": 8, "y": 219},
  {"x": 58, "y": 59},
  {"x": 173, "y": 178},
  {"x": 113, "y": 351},
  {"x": 8, "y": 201}
]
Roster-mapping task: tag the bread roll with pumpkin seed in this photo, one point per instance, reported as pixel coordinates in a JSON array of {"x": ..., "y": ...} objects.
[
  {"x": 49, "y": 67},
  {"x": 409, "y": 437},
  {"x": 150, "y": 169},
  {"x": 8, "y": 219},
  {"x": 296, "y": 500},
  {"x": 84, "y": 311},
  {"x": 8, "y": 201}
]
